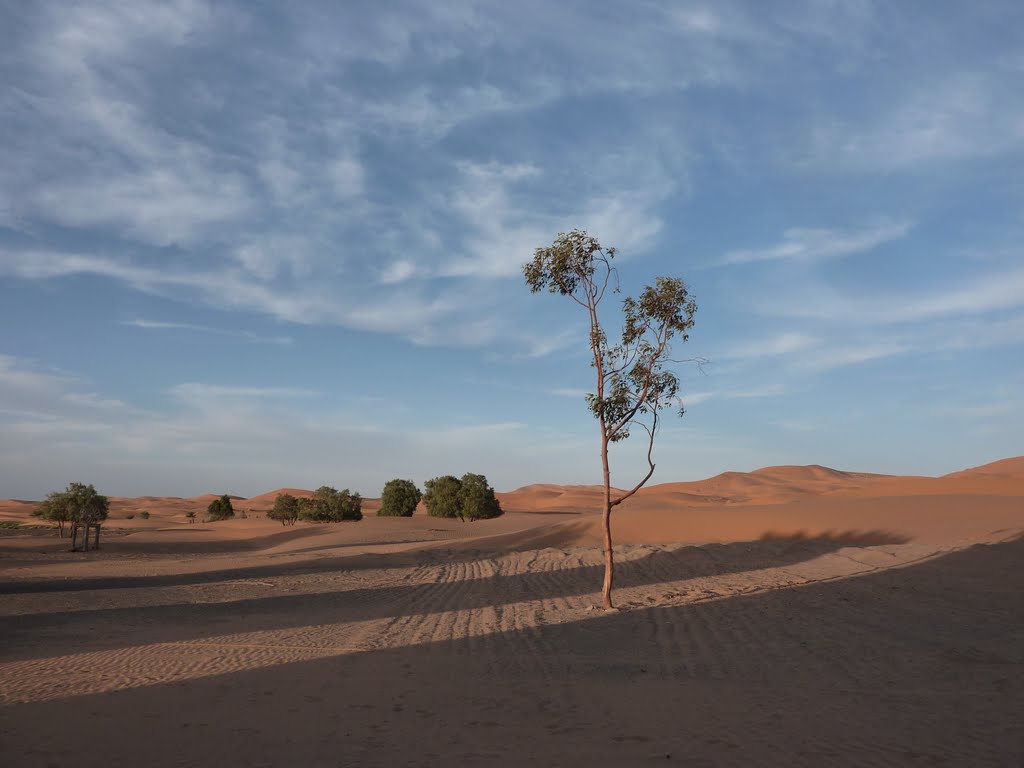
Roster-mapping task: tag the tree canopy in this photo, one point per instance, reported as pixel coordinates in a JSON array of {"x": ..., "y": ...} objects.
[
  {"x": 478, "y": 499},
  {"x": 633, "y": 382},
  {"x": 286, "y": 509},
  {"x": 78, "y": 503},
  {"x": 220, "y": 508},
  {"x": 442, "y": 496},
  {"x": 399, "y": 498},
  {"x": 329, "y": 505},
  {"x": 470, "y": 498}
]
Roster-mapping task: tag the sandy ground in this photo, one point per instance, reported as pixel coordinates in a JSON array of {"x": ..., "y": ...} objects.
[{"x": 791, "y": 616}]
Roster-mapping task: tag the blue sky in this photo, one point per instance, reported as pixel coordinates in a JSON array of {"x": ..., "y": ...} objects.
[{"x": 249, "y": 245}]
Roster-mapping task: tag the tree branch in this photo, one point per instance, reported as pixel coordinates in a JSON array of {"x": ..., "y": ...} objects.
[{"x": 650, "y": 461}]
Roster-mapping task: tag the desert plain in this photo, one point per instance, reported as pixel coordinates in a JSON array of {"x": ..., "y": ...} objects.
[{"x": 790, "y": 616}]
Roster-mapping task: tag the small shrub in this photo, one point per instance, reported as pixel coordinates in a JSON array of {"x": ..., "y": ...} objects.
[
  {"x": 130, "y": 516},
  {"x": 144, "y": 515},
  {"x": 9, "y": 524}
]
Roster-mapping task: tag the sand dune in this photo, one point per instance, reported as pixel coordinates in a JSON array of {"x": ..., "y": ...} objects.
[{"x": 791, "y": 616}]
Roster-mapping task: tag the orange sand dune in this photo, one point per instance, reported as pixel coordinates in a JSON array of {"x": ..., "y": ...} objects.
[{"x": 787, "y": 616}]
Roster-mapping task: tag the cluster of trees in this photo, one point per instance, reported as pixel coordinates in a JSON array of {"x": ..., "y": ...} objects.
[
  {"x": 469, "y": 498},
  {"x": 78, "y": 504},
  {"x": 327, "y": 505}
]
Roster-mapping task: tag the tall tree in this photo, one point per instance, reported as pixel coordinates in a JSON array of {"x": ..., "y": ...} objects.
[{"x": 632, "y": 382}]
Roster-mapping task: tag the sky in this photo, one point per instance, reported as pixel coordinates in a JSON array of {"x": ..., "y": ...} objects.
[{"x": 247, "y": 245}]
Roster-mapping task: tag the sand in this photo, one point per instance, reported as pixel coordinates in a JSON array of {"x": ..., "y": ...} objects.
[{"x": 792, "y": 616}]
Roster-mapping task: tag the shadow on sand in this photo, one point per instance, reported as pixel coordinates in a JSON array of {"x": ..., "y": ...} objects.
[
  {"x": 463, "y": 585},
  {"x": 913, "y": 666}
]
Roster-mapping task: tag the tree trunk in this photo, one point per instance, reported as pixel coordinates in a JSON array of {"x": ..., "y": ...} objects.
[{"x": 606, "y": 522}]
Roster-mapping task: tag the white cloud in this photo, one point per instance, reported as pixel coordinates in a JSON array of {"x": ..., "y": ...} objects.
[
  {"x": 842, "y": 356},
  {"x": 782, "y": 344},
  {"x": 967, "y": 115},
  {"x": 803, "y": 244},
  {"x": 230, "y": 332},
  {"x": 194, "y": 392},
  {"x": 398, "y": 272},
  {"x": 573, "y": 392}
]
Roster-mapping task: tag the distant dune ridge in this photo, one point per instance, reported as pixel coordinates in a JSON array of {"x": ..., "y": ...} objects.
[{"x": 772, "y": 500}]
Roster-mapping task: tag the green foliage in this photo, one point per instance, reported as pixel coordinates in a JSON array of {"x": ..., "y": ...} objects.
[
  {"x": 9, "y": 524},
  {"x": 442, "y": 496},
  {"x": 470, "y": 498},
  {"x": 144, "y": 515},
  {"x": 78, "y": 503},
  {"x": 286, "y": 509},
  {"x": 478, "y": 499},
  {"x": 331, "y": 506},
  {"x": 190, "y": 514},
  {"x": 220, "y": 508},
  {"x": 633, "y": 381},
  {"x": 399, "y": 498}
]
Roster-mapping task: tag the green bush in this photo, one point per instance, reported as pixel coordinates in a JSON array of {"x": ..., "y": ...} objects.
[
  {"x": 9, "y": 524},
  {"x": 220, "y": 509},
  {"x": 329, "y": 505},
  {"x": 144, "y": 515},
  {"x": 399, "y": 499},
  {"x": 478, "y": 499},
  {"x": 286, "y": 509},
  {"x": 442, "y": 496},
  {"x": 470, "y": 498}
]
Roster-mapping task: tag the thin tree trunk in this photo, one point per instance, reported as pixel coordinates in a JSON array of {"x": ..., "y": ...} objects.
[{"x": 606, "y": 522}]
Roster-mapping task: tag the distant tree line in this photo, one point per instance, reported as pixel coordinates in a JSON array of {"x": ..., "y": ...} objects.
[{"x": 469, "y": 498}]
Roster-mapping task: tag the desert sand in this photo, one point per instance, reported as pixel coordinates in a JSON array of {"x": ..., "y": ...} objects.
[{"x": 791, "y": 616}]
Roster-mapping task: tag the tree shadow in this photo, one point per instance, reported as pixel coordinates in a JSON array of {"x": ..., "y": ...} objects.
[
  {"x": 917, "y": 665},
  {"x": 465, "y": 585}
]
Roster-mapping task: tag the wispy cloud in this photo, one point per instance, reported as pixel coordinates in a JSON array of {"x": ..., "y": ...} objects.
[
  {"x": 843, "y": 356},
  {"x": 975, "y": 295},
  {"x": 198, "y": 392},
  {"x": 573, "y": 392},
  {"x": 804, "y": 244},
  {"x": 229, "y": 332},
  {"x": 971, "y": 114},
  {"x": 774, "y": 346}
]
